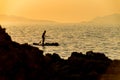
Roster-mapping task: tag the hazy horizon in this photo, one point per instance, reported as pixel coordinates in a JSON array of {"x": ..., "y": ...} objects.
[
  {"x": 60, "y": 11},
  {"x": 113, "y": 18}
]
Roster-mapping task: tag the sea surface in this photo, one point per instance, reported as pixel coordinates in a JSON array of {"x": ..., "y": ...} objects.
[{"x": 71, "y": 37}]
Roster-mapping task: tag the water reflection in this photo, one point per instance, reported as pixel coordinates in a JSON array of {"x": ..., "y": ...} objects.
[{"x": 80, "y": 38}]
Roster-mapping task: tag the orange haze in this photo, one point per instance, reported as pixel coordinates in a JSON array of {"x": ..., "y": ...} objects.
[{"x": 60, "y": 10}]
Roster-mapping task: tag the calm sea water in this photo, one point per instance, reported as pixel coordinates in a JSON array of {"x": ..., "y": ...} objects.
[{"x": 71, "y": 37}]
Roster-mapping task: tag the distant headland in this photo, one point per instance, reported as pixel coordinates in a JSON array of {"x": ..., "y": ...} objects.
[
  {"x": 108, "y": 19},
  {"x": 17, "y": 19}
]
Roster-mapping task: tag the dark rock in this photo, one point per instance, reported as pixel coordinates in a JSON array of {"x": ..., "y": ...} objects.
[{"x": 24, "y": 62}]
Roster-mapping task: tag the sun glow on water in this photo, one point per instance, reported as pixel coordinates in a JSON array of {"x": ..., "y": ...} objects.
[{"x": 80, "y": 38}]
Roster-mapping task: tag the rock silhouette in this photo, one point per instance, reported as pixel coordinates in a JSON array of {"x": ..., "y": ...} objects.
[{"x": 25, "y": 62}]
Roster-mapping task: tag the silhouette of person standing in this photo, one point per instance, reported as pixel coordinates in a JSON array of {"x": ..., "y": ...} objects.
[{"x": 43, "y": 38}]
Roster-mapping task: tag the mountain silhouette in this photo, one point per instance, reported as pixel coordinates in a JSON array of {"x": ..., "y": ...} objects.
[
  {"x": 109, "y": 19},
  {"x": 11, "y": 18}
]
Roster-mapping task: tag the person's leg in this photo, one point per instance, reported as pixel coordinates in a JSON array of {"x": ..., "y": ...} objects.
[{"x": 43, "y": 40}]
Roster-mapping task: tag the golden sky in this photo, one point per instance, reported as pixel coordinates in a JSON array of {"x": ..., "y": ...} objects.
[{"x": 60, "y": 10}]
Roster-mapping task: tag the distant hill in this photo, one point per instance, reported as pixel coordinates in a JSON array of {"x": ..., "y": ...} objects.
[
  {"x": 110, "y": 19},
  {"x": 16, "y": 19}
]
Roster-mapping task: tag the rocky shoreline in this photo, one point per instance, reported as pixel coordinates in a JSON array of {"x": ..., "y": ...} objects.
[{"x": 25, "y": 62}]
